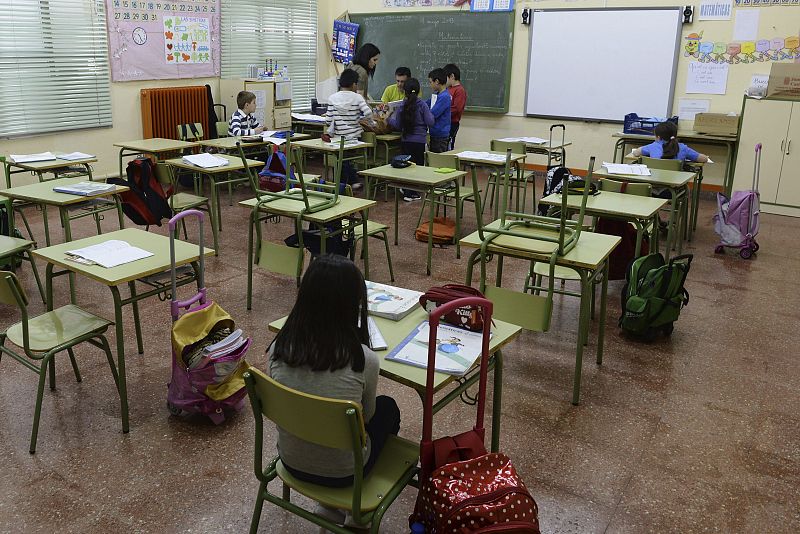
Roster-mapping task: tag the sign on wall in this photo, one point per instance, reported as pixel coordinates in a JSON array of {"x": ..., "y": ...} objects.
[{"x": 156, "y": 40}]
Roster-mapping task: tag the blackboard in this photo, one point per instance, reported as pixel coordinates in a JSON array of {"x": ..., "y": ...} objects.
[{"x": 479, "y": 43}]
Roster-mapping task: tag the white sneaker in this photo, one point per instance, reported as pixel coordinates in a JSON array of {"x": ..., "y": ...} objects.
[{"x": 356, "y": 186}]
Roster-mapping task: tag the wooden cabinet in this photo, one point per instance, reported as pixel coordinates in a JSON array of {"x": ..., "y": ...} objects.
[
  {"x": 273, "y": 100},
  {"x": 776, "y": 125}
]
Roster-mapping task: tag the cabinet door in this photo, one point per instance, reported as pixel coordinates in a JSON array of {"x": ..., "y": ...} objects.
[
  {"x": 765, "y": 122},
  {"x": 789, "y": 185}
]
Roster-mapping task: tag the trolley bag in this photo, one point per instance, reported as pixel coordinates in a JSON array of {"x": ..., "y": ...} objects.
[
  {"x": 207, "y": 349},
  {"x": 444, "y": 231},
  {"x": 737, "y": 217},
  {"x": 469, "y": 318},
  {"x": 273, "y": 176},
  {"x": 464, "y": 489},
  {"x": 554, "y": 183},
  {"x": 146, "y": 201},
  {"x": 653, "y": 295},
  {"x": 622, "y": 255}
]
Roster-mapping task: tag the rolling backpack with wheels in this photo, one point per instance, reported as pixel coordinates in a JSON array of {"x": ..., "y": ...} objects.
[{"x": 654, "y": 294}]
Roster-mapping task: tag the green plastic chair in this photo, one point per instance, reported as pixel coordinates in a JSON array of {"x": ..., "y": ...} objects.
[
  {"x": 13, "y": 248},
  {"x": 374, "y": 229},
  {"x": 44, "y": 336},
  {"x": 192, "y": 131},
  {"x": 334, "y": 423},
  {"x": 445, "y": 196},
  {"x": 663, "y": 164},
  {"x": 519, "y": 178}
]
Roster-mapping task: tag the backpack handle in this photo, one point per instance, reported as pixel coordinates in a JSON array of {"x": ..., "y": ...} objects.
[{"x": 176, "y": 305}]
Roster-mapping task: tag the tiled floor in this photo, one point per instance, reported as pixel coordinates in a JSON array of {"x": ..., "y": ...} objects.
[{"x": 697, "y": 433}]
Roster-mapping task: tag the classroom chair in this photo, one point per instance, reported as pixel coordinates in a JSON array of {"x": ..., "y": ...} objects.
[
  {"x": 663, "y": 164},
  {"x": 222, "y": 125},
  {"x": 334, "y": 423},
  {"x": 374, "y": 229},
  {"x": 44, "y": 336},
  {"x": 180, "y": 201},
  {"x": 519, "y": 177},
  {"x": 445, "y": 196},
  {"x": 14, "y": 248}
]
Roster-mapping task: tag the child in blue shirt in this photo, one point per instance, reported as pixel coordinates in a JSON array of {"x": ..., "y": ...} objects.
[
  {"x": 666, "y": 146},
  {"x": 439, "y": 103}
]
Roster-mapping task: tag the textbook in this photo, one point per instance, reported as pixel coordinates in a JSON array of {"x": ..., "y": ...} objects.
[
  {"x": 376, "y": 341},
  {"x": 624, "y": 168},
  {"x": 109, "y": 254},
  {"x": 31, "y": 158},
  {"x": 85, "y": 188},
  {"x": 390, "y": 302},
  {"x": 205, "y": 160},
  {"x": 456, "y": 349}
]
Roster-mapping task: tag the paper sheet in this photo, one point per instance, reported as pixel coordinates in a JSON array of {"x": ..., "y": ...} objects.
[
  {"x": 707, "y": 78},
  {"x": 624, "y": 168},
  {"x": 745, "y": 28},
  {"x": 110, "y": 253},
  {"x": 529, "y": 140},
  {"x": 689, "y": 107},
  {"x": 469, "y": 154},
  {"x": 74, "y": 156},
  {"x": 205, "y": 160},
  {"x": 30, "y": 158}
]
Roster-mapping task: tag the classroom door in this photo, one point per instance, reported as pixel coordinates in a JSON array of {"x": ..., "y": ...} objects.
[{"x": 789, "y": 185}]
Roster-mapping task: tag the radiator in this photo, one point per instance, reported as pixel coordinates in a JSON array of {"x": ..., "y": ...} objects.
[{"x": 165, "y": 108}]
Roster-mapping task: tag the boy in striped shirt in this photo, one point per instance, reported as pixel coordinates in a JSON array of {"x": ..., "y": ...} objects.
[
  {"x": 243, "y": 122},
  {"x": 345, "y": 108}
]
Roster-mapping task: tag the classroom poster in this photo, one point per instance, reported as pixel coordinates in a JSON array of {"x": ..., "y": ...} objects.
[
  {"x": 343, "y": 43},
  {"x": 418, "y": 3},
  {"x": 715, "y": 10},
  {"x": 732, "y": 52},
  {"x": 155, "y": 40}
]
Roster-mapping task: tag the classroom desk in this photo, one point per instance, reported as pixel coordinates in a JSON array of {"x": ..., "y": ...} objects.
[
  {"x": 677, "y": 183},
  {"x": 635, "y": 209},
  {"x": 332, "y": 149},
  {"x": 555, "y": 151},
  {"x": 387, "y": 141},
  {"x": 417, "y": 177},
  {"x": 185, "y": 253},
  {"x": 499, "y": 167},
  {"x": 157, "y": 147},
  {"x": 347, "y": 207},
  {"x": 589, "y": 258},
  {"x": 414, "y": 377},
  {"x": 315, "y": 128},
  {"x": 214, "y": 174},
  {"x": 40, "y": 168},
  {"x": 728, "y": 141},
  {"x": 228, "y": 144}
]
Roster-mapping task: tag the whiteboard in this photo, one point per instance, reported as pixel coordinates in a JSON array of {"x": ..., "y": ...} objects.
[{"x": 601, "y": 64}]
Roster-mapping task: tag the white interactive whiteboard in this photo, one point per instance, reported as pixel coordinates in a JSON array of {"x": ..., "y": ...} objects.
[{"x": 601, "y": 64}]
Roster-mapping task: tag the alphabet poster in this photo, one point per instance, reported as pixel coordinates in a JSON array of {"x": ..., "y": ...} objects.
[{"x": 157, "y": 40}]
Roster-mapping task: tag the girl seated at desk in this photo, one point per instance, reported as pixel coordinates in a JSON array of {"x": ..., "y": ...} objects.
[
  {"x": 666, "y": 146},
  {"x": 323, "y": 350}
]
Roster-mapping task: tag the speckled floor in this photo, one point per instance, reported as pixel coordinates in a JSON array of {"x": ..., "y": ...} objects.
[{"x": 697, "y": 433}]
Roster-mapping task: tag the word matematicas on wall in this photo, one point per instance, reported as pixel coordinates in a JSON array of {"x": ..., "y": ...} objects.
[{"x": 156, "y": 40}]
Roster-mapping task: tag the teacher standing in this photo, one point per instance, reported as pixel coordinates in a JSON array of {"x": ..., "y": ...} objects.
[{"x": 364, "y": 63}]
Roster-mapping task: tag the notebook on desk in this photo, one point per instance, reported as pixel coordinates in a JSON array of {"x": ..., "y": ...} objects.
[{"x": 85, "y": 188}]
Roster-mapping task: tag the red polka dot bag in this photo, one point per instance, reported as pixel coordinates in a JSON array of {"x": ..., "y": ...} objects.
[{"x": 464, "y": 489}]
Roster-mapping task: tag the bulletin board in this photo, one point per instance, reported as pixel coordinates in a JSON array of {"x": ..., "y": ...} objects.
[{"x": 155, "y": 40}]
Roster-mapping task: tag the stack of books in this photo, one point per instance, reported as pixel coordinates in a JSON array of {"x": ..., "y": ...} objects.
[
  {"x": 85, "y": 188},
  {"x": 205, "y": 160},
  {"x": 210, "y": 353}
]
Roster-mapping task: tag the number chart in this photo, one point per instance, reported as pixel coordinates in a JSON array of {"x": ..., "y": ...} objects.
[{"x": 154, "y": 40}]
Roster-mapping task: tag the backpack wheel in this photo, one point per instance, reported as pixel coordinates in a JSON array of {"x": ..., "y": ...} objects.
[
  {"x": 174, "y": 410},
  {"x": 755, "y": 246},
  {"x": 746, "y": 253},
  {"x": 719, "y": 249}
]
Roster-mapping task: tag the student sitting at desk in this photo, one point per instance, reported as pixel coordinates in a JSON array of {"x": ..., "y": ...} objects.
[
  {"x": 666, "y": 146},
  {"x": 243, "y": 122},
  {"x": 439, "y": 102},
  {"x": 413, "y": 118},
  {"x": 331, "y": 358},
  {"x": 345, "y": 108}
]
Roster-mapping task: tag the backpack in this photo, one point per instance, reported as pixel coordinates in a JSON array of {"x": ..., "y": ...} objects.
[
  {"x": 654, "y": 294},
  {"x": 5, "y": 229},
  {"x": 554, "y": 181},
  {"x": 624, "y": 253},
  {"x": 273, "y": 176},
  {"x": 146, "y": 202},
  {"x": 444, "y": 231}
]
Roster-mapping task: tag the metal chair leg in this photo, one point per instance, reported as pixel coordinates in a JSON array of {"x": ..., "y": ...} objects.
[{"x": 74, "y": 365}]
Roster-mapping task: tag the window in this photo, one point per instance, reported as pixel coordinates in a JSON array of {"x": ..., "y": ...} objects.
[
  {"x": 54, "y": 72},
  {"x": 284, "y": 30}
]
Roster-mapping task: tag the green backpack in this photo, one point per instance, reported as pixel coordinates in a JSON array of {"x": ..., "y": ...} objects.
[{"x": 654, "y": 294}]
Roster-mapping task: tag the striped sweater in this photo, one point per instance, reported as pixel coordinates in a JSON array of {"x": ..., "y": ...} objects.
[
  {"x": 242, "y": 124},
  {"x": 345, "y": 108}
]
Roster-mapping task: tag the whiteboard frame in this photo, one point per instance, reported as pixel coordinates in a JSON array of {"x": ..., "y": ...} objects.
[{"x": 676, "y": 56}]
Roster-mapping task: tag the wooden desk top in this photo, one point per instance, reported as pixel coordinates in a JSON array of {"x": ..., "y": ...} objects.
[
  {"x": 413, "y": 175},
  {"x": 388, "y": 138},
  {"x": 39, "y": 166},
  {"x": 234, "y": 164},
  {"x": 589, "y": 253},
  {"x": 156, "y": 145},
  {"x": 658, "y": 177},
  {"x": 319, "y": 144},
  {"x": 290, "y": 208},
  {"x": 396, "y": 331},
  {"x": 42, "y": 192},
  {"x": 612, "y": 203},
  {"x": 156, "y": 243},
  {"x": 456, "y": 152}
]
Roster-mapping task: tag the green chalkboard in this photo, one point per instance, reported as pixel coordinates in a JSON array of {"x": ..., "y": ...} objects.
[{"x": 479, "y": 43}]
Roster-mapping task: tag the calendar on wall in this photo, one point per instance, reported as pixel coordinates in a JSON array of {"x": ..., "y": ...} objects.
[{"x": 153, "y": 40}]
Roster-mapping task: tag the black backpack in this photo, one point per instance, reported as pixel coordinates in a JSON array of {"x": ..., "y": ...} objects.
[
  {"x": 146, "y": 203},
  {"x": 554, "y": 182}
]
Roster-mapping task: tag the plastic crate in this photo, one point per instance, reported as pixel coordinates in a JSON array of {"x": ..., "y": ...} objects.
[{"x": 634, "y": 124}]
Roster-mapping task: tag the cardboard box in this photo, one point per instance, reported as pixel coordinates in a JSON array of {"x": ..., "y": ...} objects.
[
  {"x": 784, "y": 81},
  {"x": 716, "y": 123}
]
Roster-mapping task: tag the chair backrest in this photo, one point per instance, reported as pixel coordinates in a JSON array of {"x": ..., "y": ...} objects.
[
  {"x": 192, "y": 131},
  {"x": 517, "y": 147},
  {"x": 639, "y": 189},
  {"x": 663, "y": 164},
  {"x": 7, "y": 224},
  {"x": 222, "y": 129},
  {"x": 319, "y": 420},
  {"x": 433, "y": 159},
  {"x": 12, "y": 293}
]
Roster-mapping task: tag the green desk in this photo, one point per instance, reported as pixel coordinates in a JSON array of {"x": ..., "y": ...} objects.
[
  {"x": 214, "y": 174},
  {"x": 422, "y": 178},
  {"x": 677, "y": 183},
  {"x": 635, "y": 209},
  {"x": 346, "y": 208},
  {"x": 555, "y": 151},
  {"x": 314, "y": 127},
  {"x": 588, "y": 258},
  {"x": 185, "y": 253},
  {"x": 360, "y": 148},
  {"x": 414, "y": 377},
  {"x": 499, "y": 166},
  {"x": 388, "y": 142},
  {"x": 158, "y": 147}
]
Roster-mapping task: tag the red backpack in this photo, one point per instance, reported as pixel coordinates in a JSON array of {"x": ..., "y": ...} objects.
[{"x": 146, "y": 202}]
